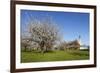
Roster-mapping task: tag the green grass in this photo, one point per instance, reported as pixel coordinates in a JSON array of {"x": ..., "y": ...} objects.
[{"x": 54, "y": 56}]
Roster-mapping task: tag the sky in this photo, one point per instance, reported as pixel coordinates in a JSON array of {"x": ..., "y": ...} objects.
[{"x": 71, "y": 24}]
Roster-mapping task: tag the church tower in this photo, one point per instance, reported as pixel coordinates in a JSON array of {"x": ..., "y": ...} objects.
[{"x": 79, "y": 40}]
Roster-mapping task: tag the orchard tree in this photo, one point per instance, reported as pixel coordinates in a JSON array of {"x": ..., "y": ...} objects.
[
  {"x": 44, "y": 32},
  {"x": 25, "y": 44}
]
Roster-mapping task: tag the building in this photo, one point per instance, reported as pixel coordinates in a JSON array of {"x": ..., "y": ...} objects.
[
  {"x": 73, "y": 45},
  {"x": 76, "y": 44}
]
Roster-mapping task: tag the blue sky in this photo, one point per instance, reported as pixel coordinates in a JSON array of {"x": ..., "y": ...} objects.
[{"x": 72, "y": 24}]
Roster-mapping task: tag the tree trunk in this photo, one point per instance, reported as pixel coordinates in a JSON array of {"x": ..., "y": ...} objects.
[{"x": 25, "y": 48}]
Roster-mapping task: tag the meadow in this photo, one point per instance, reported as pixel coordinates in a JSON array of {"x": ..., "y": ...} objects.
[{"x": 57, "y": 55}]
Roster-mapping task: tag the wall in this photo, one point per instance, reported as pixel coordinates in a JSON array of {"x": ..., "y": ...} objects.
[{"x": 5, "y": 37}]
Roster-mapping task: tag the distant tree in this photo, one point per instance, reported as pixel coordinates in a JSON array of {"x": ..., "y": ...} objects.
[
  {"x": 63, "y": 45},
  {"x": 25, "y": 44},
  {"x": 25, "y": 41}
]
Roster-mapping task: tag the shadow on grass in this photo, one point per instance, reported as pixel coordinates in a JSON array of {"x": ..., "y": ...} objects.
[{"x": 35, "y": 51}]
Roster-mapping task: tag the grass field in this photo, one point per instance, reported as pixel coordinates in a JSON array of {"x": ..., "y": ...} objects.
[{"x": 54, "y": 56}]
